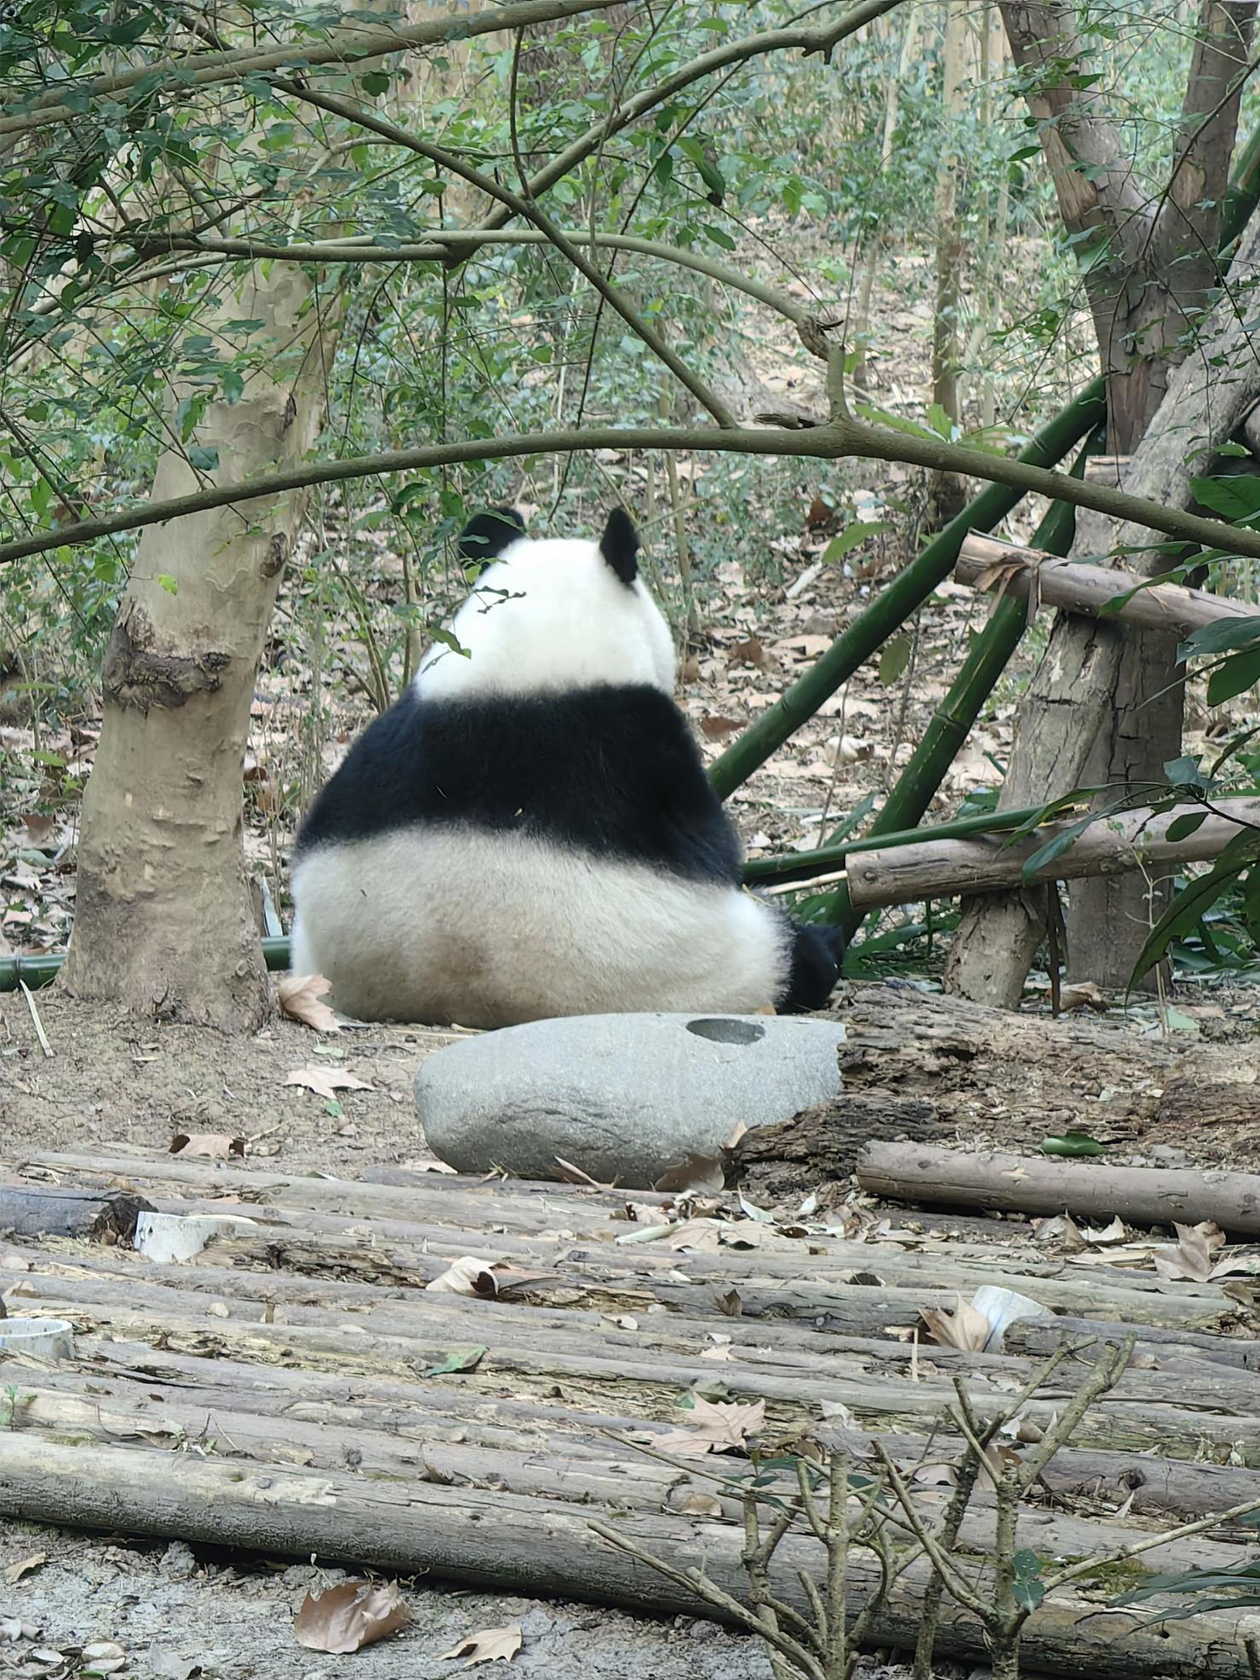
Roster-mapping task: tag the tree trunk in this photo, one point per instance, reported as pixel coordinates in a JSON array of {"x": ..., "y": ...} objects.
[
  {"x": 948, "y": 491},
  {"x": 164, "y": 923},
  {"x": 876, "y": 244},
  {"x": 1085, "y": 693}
]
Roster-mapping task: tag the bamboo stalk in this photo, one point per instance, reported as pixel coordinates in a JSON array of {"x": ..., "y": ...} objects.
[
  {"x": 978, "y": 675},
  {"x": 894, "y": 604}
]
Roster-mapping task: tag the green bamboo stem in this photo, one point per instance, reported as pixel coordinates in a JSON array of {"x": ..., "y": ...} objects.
[
  {"x": 978, "y": 675},
  {"x": 903, "y": 596},
  {"x": 43, "y": 969}
]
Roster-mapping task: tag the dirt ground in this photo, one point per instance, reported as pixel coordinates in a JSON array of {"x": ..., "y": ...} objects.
[{"x": 178, "y": 1614}]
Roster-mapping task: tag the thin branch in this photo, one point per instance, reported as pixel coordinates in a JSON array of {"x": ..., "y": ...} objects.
[
  {"x": 344, "y": 46},
  {"x": 819, "y": 41},
  {"x": 1121, "y": 1553},
  {"x": 529, "y": 212},
  {"x": 440, "y": 245}
]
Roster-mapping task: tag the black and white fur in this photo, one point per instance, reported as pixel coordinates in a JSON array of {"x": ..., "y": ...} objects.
[{"x": 529, "y": 831}]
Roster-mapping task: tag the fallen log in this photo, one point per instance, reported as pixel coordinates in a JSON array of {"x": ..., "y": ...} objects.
[
  {"x": 414, "y": 1412},
  {"x": 622, "y": 1479},
  {"x": 917, "y": 1172},
  {"x": 504, "y": 1330},
  {"x": 546, "y": 1548},
  {"x": 987, "y": 563},
  {"x": 102, "y": 1216},
  {"x": 1112, "y": 845}
]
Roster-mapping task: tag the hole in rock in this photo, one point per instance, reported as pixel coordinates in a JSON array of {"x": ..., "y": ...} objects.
[{"x": 726, "y": 1032}]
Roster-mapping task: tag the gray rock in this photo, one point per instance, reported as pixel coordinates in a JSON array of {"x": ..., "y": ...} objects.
[{"x": 624, "y": 1097}]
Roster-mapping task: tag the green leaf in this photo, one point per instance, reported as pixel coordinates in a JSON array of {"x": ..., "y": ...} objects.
[
  {"x": 167, "y": 582},
  {"x": 1076, "y": 1145},
  {"x": 201, "y": 455},
  {"x": 1220, "y": 637},
  {"x": 719, "y": 236},
  {"x": 941, "y": 423},
  {"x": 374, "y": 82},
  {"x": 1189, "y": 904},
  {"x": 895, "y": 658},
  {"x": 462, "y": 1359},
  {"x": 1055, "y": 846},
  {"x": 1184, "y": 772},
  {"x": 1236, "y": 498},
  {"x": 1239, "y": 673},
  {"x": 1185, "y": 826},
  {"x": 851, "y": 536}
]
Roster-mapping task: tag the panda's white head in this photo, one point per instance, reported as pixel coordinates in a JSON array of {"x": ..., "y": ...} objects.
[{"x": 550, "y": 616}]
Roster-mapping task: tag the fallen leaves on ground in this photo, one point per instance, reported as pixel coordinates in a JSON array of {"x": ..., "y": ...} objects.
[
  {"x": 1193, "y": 1258},
  {"x": 213, "y": 1146},
  {"x": 14, "y": 1571},
  {"x": 301, "y": 997},
  {"x": 348, "y": 1617},
  {"x": 489, "y": 1278},
  {"x": 326, "y": 1082},
  {"x": 966, "y": 1327},
  {"x": 719, "y": 1426},
  {"x": 490, "y": 1645}
]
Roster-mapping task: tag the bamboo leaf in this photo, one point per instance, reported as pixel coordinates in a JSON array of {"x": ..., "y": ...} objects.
[
  {"x": 1185, "y": 826},
  {"x": 1239, "y": 673}
]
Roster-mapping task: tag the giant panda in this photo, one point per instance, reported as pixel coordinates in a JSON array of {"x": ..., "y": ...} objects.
[{"x": 529, "y": 830}]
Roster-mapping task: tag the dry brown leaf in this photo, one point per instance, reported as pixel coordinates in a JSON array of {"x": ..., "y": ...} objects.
[
  {"x": 720, "y": 1426},
  {"x": 326, "y": 1082},
  {"x": 1191, "y": 1259},
  {"x": 300, "y": 996},
  {"x": 695, "y": 1173},
  {"x": 14, "y": 1571},
  {"x": 1116, "y": 1232},
  {"x": 1085, "y": 994},
  {"x": 701, "y": 1235},
  {"x": 486, "y": 1278},
  {"x": 490, "y": 1645},
  {"x": 214, "y": 1146},
  {"x": 965, "y": 1327},
  {"x": 1062, "y": 1232},
  {"x": 697, "y": 1505},
  {"x": 348, "y": 1617},
  {"x": 750, "y": 652},
  {"x": 39, "y": 826},
  {"x": 718, "y": 728}
]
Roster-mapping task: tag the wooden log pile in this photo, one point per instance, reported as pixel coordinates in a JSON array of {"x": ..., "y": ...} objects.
[{"x": 297, "y": 1389}]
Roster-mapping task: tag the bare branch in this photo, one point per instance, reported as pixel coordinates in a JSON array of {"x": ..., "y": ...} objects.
[
  {"x": 343, "y": 46},
  {"x": 529, "y": 212}
]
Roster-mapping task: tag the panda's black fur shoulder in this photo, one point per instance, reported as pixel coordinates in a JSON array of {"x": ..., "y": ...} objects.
[{"x": 611, "y": 770}]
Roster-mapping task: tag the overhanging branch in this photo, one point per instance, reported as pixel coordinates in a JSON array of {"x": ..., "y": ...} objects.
[{"x": 839, "y": 438}]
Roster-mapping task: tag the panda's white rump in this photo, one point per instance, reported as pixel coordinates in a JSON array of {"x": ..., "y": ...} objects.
[{"x": 454, "y": 925}]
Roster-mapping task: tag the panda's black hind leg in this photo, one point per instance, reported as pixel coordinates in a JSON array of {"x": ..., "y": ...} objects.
[{"x": 817, "y": 956}]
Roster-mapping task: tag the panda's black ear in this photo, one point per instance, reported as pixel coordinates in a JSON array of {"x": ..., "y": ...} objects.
[
  {"x": 488, "y": 534},
  {"x": 620, "y": 545}
]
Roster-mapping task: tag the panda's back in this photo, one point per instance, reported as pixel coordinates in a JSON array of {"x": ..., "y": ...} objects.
[{"x": 610, "y": 771}]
